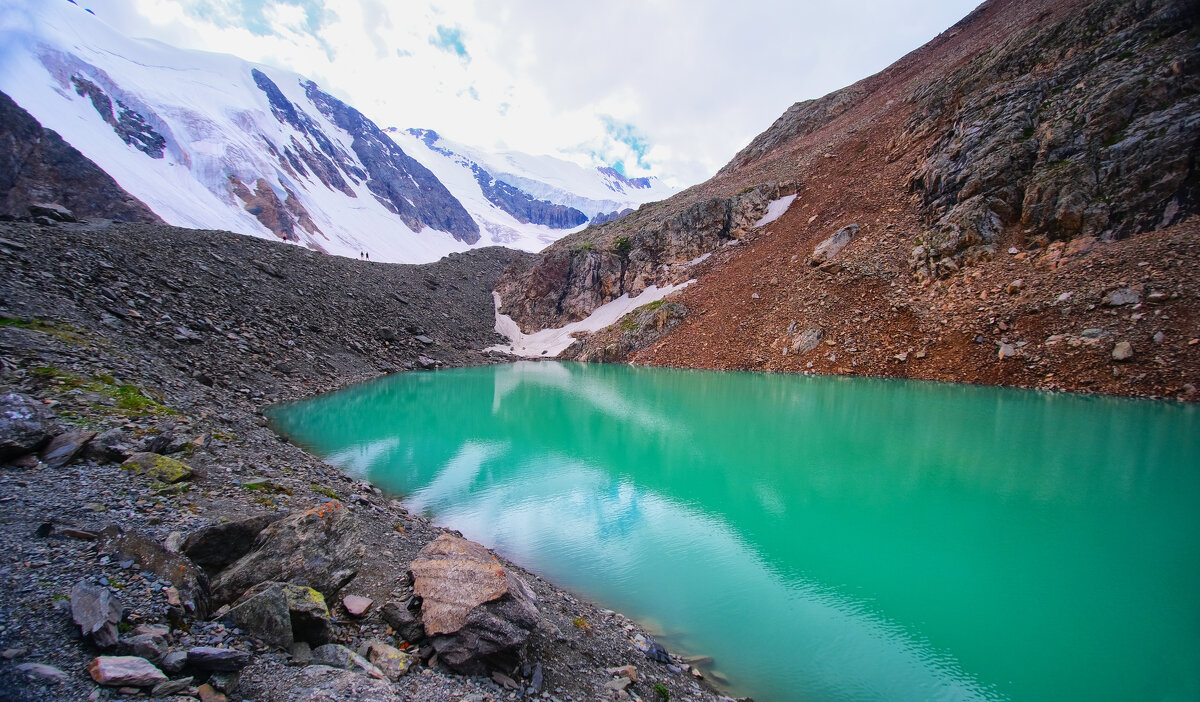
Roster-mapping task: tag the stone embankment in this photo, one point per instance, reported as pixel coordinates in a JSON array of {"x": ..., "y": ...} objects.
[{"x": 161, "y": 541}]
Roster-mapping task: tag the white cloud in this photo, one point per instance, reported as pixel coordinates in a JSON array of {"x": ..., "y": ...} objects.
[{"x": 693, "y": 80}]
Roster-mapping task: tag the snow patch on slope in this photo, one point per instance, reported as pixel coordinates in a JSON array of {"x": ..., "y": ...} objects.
[
  {"x": 548, "y": 343},
  {"x": 775, "y": 210}
]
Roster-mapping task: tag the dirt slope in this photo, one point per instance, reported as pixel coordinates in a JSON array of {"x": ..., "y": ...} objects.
[{"x": 1065, "y": 133}]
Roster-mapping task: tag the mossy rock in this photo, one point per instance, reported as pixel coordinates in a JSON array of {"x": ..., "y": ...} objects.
[{"x": 160, "y": 468}]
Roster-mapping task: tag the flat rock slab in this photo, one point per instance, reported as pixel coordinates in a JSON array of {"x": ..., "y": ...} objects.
[
  {"x": 336, "y": 656},
  {"x": 160, "y": 468},
  {"x": 63, "y": 448},
  {"x": 478, "y": 614},
  {"x": 123, "y": 671},
  {"x": 832, "y": 246},
  {"x": 452, "y": 576},
  {"x": 188, "y": 580},
  {"x": 209, "y": 658}
]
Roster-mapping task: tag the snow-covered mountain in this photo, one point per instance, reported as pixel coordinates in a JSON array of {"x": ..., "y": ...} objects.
[
  {"x": 525, "y": 201},
  {"x": 212, "y": 141}
]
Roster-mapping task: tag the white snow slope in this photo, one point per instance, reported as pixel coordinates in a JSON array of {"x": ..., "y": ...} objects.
[{"x": 215, "y": 120}]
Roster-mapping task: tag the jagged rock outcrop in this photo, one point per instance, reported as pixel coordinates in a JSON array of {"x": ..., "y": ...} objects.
[
  {"x": 36, "y": 165},
  {"x": 1087, "y": 127},
  {"x": 637, "y": 330},
  {"x": 524, "y": 208},
  {"x": 128, "y": 123},
  {"x": 398, "y": 181},
  {"x": 581, "y": 272},
  {"x": 606, "y": 217},
  {"x": 319, "y": 548}
]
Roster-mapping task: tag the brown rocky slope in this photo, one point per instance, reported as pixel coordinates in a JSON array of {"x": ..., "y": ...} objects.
[{"x": 1062, "y": 132}]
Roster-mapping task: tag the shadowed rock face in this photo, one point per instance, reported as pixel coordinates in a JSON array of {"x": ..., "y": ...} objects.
[
  {"x": 397, "y": 180},
  {"x": 524, "y": 208},
  {"x": 36, "y": 165},
  {"x": 583, "y": 271},
  {"x": 1087, "y": 127},
  {"x": 318, "y": 548}
]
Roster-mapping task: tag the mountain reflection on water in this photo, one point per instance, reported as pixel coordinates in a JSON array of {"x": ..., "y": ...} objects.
[{"x": 821, "y": 538}]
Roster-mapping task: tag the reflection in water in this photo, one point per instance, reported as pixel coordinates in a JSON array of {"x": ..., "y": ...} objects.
[{"x": 823, "y": 539}]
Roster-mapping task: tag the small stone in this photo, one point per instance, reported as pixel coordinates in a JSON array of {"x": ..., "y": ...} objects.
[
  {"x": 171, "y": 687},
  {"x": 1120, "y": 297},
  {"x": 120, "y": 671},
  {"x": 625, "y": 670},
  {"x": 41, "y": 670},
  {"x": 1007, "y": 351},
  {"x": 618, "y": 684},
  {"x": 505, "y": 681},
  {"x": 356, "y": 605},
  {"x": 1158, "y": 337},
  {"x": 174, "y": 662},
  {"x": 209, "y": 658},
  {"x": 1015, "y": 287},
  {"x": 393, "y": 662},
  {"x": 23, "y": 426},
  {"x": 209, "y": 694},
  {"x": 1123, "y": 351},
  {"x": 152, "y": 647},
  {"x": 11, "y": 653},
  {"x": 423, "y": 339}
]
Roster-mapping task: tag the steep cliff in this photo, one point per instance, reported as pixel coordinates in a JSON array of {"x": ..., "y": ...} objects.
[{"x": 36, "y": 166}]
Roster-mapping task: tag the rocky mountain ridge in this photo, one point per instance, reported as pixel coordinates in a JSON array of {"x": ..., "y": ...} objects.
[{"x": 1043, "y": 141}]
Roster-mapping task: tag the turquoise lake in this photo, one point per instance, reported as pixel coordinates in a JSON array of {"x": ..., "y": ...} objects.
[{"x": 821, "y": 538}]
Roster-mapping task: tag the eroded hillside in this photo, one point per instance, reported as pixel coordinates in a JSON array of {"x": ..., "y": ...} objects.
[{"x": 1021, "y": 188}]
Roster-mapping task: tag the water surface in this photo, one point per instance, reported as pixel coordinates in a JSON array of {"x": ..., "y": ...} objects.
[{"x": 820, "y": 538}]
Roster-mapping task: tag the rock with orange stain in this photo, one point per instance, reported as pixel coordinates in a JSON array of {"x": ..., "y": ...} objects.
[
  {"x": 321, "y": 548},
  {"x": 476, "y": 612}
]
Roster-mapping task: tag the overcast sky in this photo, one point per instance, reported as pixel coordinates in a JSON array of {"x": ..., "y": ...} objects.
[{"x": 666, "y": 87}]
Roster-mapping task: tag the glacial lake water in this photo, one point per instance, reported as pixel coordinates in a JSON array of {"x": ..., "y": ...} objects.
[{"x": 820, "y": 538}]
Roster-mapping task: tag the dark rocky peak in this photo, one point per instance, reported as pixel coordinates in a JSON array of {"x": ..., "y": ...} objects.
[
  {"x": 397, "y": 180},
  {"x": 635, "y": 183},
  {"x": 129, "y": 124},
  {"x": 329, "y": 162},
  {"x": 36, "y": 165},
  {"x": 605, "y": 217},
  {"x": 281, "y": 107},
  {"x": 522, "y": 206}
]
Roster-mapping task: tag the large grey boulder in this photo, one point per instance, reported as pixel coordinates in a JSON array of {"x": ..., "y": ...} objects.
[
  {"x": 280, "y": 614},
  {"x": 321, "y": 548},
  {"x": 97, "y": 612},
  {"x": 476, "y": 612},
  {"x": 23, "y": 426},
  {"x": 826, "y": 250}
]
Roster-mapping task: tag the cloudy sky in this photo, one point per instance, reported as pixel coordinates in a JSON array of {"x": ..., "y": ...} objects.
[{"x": 666, "y": 87}]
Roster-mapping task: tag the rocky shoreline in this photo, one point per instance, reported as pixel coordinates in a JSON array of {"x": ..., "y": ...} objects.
[{"x": 159, "y": 533}]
